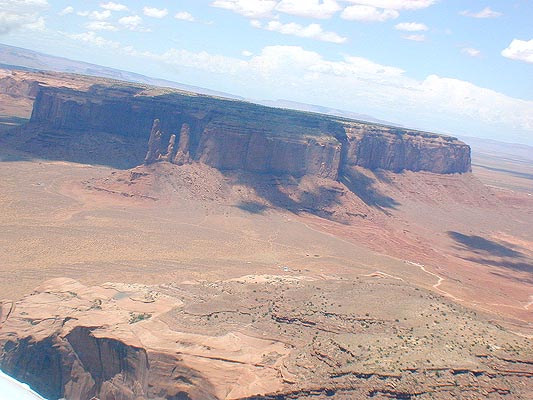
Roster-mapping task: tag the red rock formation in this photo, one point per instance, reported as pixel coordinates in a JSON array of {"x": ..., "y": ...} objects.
[
  {"x": 233, "y": 147},
  {"x": 170, "y": 149},
  {"x": 103, "y": 368},
  {"x": 154, "y": 144},
  {"x": 182, "y": 154},
  {"x": 229, "y": 134},
  {"x": 396, "y": 150}
]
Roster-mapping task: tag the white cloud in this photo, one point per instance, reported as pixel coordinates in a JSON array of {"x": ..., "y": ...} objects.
[
  {"x": 278, "y": 60},
  {"x": 415, "y": 38},
  {"x": 256, "y": 23},
  {"x": 247, "y": 53},
  {"x": 99, "y": 15},
  {"x": 100, "y": 26},
  {"x": 93, "y": 39},
  {"x": 469, "y": 51},
  {"x": 396, "y": 4},
  {"x": 248, "y": 8},
  {"x": 66, "y": 11},
  {"x": 21, "y": 14},
  {"x": 411, "y": 27},
  {"x": 184, "y": 16},
  {"x": 485, "y": 13},
  {"x": 309, "y": 8},
  {"x": 37, "y": 25},
  {"x": 114, "y": 6},
  {"x": 311, "y": 31},
  {"x": 155, "y": 12},
  {"x": 521, "y": 50},
  {"x": 323, "y": 8},
  {"x": 95, "y": 15},
  {"x": 460, "y": 98},
  {"x": 368, "y": 13},
  {"x": 132, "y": 22},
  {"x": 202, "y": 60}
]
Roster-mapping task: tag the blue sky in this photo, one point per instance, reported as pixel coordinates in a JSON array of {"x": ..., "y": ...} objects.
[{"x": 459, "y": 67}]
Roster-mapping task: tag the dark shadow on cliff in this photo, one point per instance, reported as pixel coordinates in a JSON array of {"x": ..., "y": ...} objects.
[
  {"x": 30, "y": 142},
  {"x": 482, "y": 246},
  {"x": 365, "y": 188},
  {"x": 87, "y": 366}
]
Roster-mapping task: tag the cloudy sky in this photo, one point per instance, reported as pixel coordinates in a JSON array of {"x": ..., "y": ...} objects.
[{"x": 460, "y": 67}]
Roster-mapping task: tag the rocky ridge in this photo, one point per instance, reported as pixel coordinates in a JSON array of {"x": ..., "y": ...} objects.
[
  {"x": 246, "y": 338},
  {"x": 225, "y": 134}
]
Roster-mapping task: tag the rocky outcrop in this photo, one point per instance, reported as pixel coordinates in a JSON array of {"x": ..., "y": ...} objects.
[
  {"x": 243, "y": 338},
  {"x": 396, "y": 150},
  {"x": 229, "y": 147},
  {"x": 229, "y": 134},
  {"x": 80, "y": 366},
  {"x": 170, "y": 149},
  {"x": 182, "y": 155},
  {"x": 154, "y": 144}
]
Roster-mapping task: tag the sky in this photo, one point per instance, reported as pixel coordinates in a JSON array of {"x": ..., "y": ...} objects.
[{"x": 459, "y": 67}]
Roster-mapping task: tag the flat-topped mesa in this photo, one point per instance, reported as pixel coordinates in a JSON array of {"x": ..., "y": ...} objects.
[{"x": 227, "y": 134}]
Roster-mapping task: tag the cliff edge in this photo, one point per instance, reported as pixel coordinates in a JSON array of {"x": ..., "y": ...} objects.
[{"x": 108, "y": 124}]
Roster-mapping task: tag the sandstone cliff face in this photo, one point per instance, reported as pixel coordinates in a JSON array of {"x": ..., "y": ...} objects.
[
  {"x": 80, "y": 365},
  {"x": 77, "y": 357},
  {"x": 229, "y": 134},
  {"x": 182, "y": 155},
  {"x": 230, "y": 147},
  {"x": 396, "y": 150}
]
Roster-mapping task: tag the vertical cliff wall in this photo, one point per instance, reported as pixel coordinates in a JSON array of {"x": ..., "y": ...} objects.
[
  {"x": 229, "y": 134},
  {"x": 395, "y": 149}
]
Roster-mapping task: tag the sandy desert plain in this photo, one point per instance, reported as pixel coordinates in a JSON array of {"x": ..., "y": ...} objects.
[{"x": 414, "y": 285}]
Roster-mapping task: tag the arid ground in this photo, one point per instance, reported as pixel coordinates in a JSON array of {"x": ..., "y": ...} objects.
[{"x": 414, "y": 272}]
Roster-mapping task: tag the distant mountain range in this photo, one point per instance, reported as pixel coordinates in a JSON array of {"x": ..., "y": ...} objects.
[{"x": 18, "y": 58}]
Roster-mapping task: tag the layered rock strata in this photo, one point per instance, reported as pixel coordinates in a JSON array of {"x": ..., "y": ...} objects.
[
  {"x": 230, "y": 135},
  {"x": 243, "y": 338}
]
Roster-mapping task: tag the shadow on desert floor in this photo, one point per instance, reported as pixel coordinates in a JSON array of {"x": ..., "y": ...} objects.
[
  {"x": 489, "y": 252},
  {"x": 365, "y": 188},
  {"x": 480, "y": 245},
  {"x": 253, "y": 207},
  {"x": 305, "y": 194}
]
